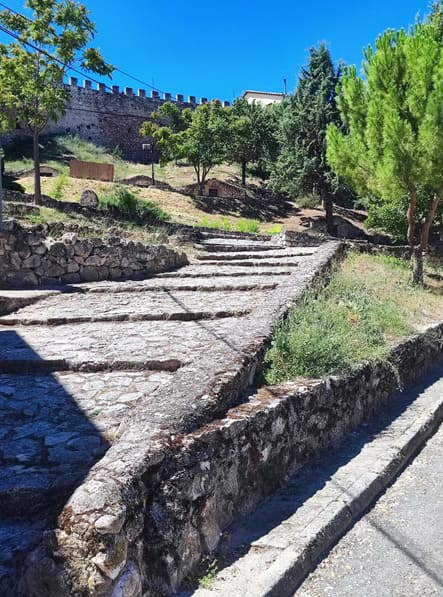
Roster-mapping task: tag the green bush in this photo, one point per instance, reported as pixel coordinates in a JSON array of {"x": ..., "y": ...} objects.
[
  {"x": 123, "y": 201},
  {"x": 275, "y": 229},
  {"x": 308, "y": 201},
  {"x": 59, "y": 184},
  {"x": 389, "y": 218},
  {"x": 251, "y": 226}
]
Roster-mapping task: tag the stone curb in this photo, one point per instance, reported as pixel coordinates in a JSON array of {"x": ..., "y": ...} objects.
[{"x": 331, "y": 512}]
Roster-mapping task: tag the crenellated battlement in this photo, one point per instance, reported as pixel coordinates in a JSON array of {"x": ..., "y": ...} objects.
[
  {"x": 111, "y": 117},
  {"x": 153, "y": 97}
]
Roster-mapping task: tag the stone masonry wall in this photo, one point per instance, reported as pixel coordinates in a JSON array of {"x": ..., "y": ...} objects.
[
  {"x": 144, "y": 537},
  {"x": 221, "y": 471},
  {"x": 31, "y": 258},
  {"x": 109, "y": 119}
]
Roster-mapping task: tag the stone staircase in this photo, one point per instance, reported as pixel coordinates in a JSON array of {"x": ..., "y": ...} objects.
[{"x": 79, "y": 366}]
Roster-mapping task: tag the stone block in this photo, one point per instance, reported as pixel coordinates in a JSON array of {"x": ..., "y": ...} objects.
[{"x": 89, "y": 199}]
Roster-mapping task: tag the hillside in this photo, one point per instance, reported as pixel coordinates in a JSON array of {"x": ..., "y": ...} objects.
[{"x": 259, "y": 212}]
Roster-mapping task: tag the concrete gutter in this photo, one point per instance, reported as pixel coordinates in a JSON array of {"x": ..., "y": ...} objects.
[{"x": 278, "y": 562}]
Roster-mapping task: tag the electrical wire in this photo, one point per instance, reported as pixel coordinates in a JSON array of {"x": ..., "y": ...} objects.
[{"x": 67, "y": 66}]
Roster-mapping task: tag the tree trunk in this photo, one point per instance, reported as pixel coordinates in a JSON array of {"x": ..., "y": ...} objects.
[
  {"x": 417, "y": 266},
  {"x": 243, "y": 173},
  {"x": 329, "y": 214},
  {"x": 200, "y": 183},
  {"x": 37, "y": 182},
  {"x": 420, "y": 248}
]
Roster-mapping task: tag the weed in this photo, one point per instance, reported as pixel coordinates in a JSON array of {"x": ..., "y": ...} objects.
[
  {"x": 251, "y": 226},
  {"x": 124, "y": 201},
  {"x": 275, "y": 229},
  {"x": 60, "y": 183},
  {"x": 367, "y": 305},
  {"x": 208, "y": 580}
]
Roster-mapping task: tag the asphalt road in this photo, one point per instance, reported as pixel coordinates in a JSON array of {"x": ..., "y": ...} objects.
[{"x": 396, "y": 549}]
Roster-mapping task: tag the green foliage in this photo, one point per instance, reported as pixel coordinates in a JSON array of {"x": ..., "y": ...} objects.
[
  {"x": 250, "y": 226},
  {"x": 33, "y": 68},
  {"x": 123, "y": 201},
  {"x": 309, "y": 200},
  {"x": 59, "y": 184},
  {"x": 301, "y": 168},
  {"x": 392, "y": 146},
  {"x": 388, "y": 217},
  {"x": 199, "y": 137},
  {"x": 208, "y": 580},
  {"x": 349, "y": 321},
  {"x": 275, "y": 229},
  {"x": 250, "y": 135}
]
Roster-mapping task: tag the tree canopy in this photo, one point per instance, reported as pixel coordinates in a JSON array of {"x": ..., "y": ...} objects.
[
  {"x": 33, "y": 67},
  {"x": 250, "y": 134},
  {"x": 199, "y": 137},
  {"x": 392, "y": 148},
  {"x": 301, "y": 167}
]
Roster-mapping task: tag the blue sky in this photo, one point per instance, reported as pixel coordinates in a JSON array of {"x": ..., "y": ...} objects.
[{"x": 218, "y": 49}]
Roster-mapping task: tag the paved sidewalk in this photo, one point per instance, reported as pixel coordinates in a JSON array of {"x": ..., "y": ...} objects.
[
  {"x": 271, "y": 551},
  {"x": 396, "y": 550}
]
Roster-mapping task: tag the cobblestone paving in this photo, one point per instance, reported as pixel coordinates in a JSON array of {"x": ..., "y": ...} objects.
[
  {"x": 78, "y": 307},
  {"x": 77, "y": 366}
]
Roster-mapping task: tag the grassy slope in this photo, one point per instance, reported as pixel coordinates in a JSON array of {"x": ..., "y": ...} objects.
[
  {"x": 58, "y": 151},
  {"x": 368, "y": 305}
]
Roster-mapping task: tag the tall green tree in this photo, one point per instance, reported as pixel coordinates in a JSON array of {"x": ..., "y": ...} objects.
[
  {"x": 170, "y": 115},
  {"x": 250, "y": 134},
  {"x": 302, "y": 167},
  {"x": 393, "y": 148},
  {"x": 202, "y": 143},
  {"x": 48, "y": 43}
]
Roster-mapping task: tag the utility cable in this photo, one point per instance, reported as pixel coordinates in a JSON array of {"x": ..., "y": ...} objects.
[{"x": 60, "y": 62}]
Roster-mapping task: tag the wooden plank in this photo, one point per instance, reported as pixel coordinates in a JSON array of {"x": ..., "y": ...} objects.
[{"x": 91, "y": 170}]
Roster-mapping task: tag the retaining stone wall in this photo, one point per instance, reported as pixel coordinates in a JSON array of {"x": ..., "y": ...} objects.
[
  {"x": 191, "y": 487},
  {"x": 31, "y": 258},
  {"x": 224, "y": 469}
]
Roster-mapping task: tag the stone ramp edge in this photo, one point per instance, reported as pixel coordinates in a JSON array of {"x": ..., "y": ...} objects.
[{"x": 118, "y": 485}]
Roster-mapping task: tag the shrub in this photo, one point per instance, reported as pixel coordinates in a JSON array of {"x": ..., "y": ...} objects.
[
  {"x": 308, "y": 201},
  {"x": 366, "y": 304},
  {"x": 123, "y": 201},
  {"x": 275, "y": 229},
  {"x": 59, "y": 184},
  {"x": 251, "y": 226},
  {"x": 388, "y": 217}
]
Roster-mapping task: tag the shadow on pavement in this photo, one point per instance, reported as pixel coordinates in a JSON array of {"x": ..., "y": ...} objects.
[{"x": 47, "y": 446}]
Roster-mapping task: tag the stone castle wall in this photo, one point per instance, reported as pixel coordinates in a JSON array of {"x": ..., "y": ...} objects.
[
  {"x": 32, "y": 258},
  {"x": 111, "y": 119}
]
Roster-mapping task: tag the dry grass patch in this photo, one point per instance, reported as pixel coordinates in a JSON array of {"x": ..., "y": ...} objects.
[{"x": 368, "y": 306}]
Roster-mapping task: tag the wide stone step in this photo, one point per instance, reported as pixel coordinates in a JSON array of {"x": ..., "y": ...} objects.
[
  {"x": 207, "y": 246},
  {"x": 54, "y": 427},
  {"x": 130, "y": 346},
  {"x": 198, "y": 278},
  {"x": 255, "y": 255},
  {"x": 228, "y": 272},
  {"x": 93, "y": 307},
  {"x": 287, "y": 263},
  {"x": 220, "y": 234}
]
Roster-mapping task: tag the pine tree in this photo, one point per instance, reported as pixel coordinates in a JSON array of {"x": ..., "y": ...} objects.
[
  {"x": 393, "y": 146},
  {"x": 301, "y": 167}
]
